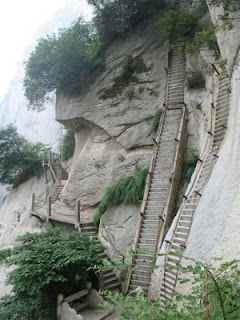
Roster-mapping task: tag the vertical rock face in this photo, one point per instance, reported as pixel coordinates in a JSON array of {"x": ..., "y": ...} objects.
[
  {"x": 114, "y": 135},
  {"x": 15, "y": 218},
  {"x": 215, "y": 229},
  {"x": 114, "y": 132},
  {"x": 37, "y": 126}
]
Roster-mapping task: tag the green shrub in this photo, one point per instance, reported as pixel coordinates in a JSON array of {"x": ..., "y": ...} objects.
[
  {"x": 67, "y": 146},
  {"x": 112, "y": 18},
  {"x": 156, "y": 119},
  {"x": 128, "y": 190},
  {"x": 130, "y": 94},
  {"x": 19, "y": 159},
  {"x": 215, "y": 295},
  {"x": 61, "y": 62},
  {"x": 96, "y": 220},
  {"x": 46, "y": 264},
  {"x": 175, "y": 24},
  {"x": 190, "y": 165},
  {"x": 131, "y": 68},
  {"x": 205, "y": 37},
  {"x": 195, "y": 80},
  {"x": 4, "y": 254}
]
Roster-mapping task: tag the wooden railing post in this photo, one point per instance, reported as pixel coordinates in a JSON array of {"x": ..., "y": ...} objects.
[
  {"x": 78, "y": 214},
  {"x": 47, "y": 192},
  {"x": 33, "y": 201},
  {"x": 49, "y": 209}
]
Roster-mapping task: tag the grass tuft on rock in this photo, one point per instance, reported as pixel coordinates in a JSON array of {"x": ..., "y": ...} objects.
[
  {"x": 156, "y": 119},
  {"x": 195, "y": 80},
  {"x": 67, "y": 145},
  {"x": 128, "y": 190},
  {"x": 190, "y": 165}
]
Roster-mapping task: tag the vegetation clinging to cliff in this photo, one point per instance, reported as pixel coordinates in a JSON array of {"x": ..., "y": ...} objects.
[
  {"x": 215, "y": 295},
  {"x": 113, "y": 18},
  {"x": 67, "y": 145},
  {"x": 176, "y": 24},
  {"x": 61, "y": 62},
  {"x": 46, "y": 264},
  {"x": 128, "y": 190},
  {"x": 19, "y": 158},
  {"x": 65, "y": 61}
]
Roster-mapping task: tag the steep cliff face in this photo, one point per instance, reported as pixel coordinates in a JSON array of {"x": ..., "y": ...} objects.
[
  {"x": 15, "y": 219},
  {"x": 114, "y": 134},
  {"x": 215, "y": 230}
]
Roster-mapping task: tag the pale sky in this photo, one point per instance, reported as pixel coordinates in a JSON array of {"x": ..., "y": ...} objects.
[{"x": 19, "y": 20}]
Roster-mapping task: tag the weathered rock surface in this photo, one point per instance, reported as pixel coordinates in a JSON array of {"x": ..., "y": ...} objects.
[
  {"x": 215, "y": 229},
  {"x": 113, "y": 136},
  {"x": 15, "y": 219},
  {"x": 118, "y": 228}
]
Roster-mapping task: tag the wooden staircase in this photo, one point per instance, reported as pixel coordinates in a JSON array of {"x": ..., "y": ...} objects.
[
  {"x": 163, "y": 180},
  {"x": 107, "y": 278},
  {"x": 201, "y": 177}
]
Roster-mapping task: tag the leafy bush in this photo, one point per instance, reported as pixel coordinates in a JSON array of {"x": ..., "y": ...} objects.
[
  {"x": 206, "y": 37},
  {"x": 128, "y": 76},
  {"x": 128, "y": 190},
  {"x": 113, "y": 18},
  {"x": 215, "y": 296},
  {"x": 156, "y": 119},
  {"x": 195, "y": 80},
  {"x": 67, "y": 145},
  {"x": 4, "y": 254},
  {"x": 19, "y": 159},
  {"x": 190, "y": 165},
  {"x": 61, "y": 62},
  {"x": 46, "y": 264},
  {"x": 176, "y": 24},
  {"x": 96, "y": 220}
]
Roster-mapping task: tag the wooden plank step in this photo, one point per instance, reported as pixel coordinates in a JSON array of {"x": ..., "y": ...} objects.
[
  {"x": 133, "y": 287},
  {"x": 138, "y": 283}
]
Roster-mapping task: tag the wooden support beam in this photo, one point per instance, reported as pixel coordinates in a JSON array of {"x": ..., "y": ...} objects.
[
  {"x": 78, "y": 213},
  {"x": 198, "y": 193},
  {"x": 33, "y": 201},
  {"x": 214, "y": 67}
]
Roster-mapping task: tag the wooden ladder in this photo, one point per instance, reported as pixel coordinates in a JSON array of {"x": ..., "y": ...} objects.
[
  {"x": 202, "y": 175},
  {"x": 158, "y": 195}
]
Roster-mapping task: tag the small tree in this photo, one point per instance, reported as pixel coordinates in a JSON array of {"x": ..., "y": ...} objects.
[
  {"x": 46, "y": 264},
  {"x": 113, "y": 18},
  {"x": 60, "y": 62},
  {"x": 19, "y": 159}
]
